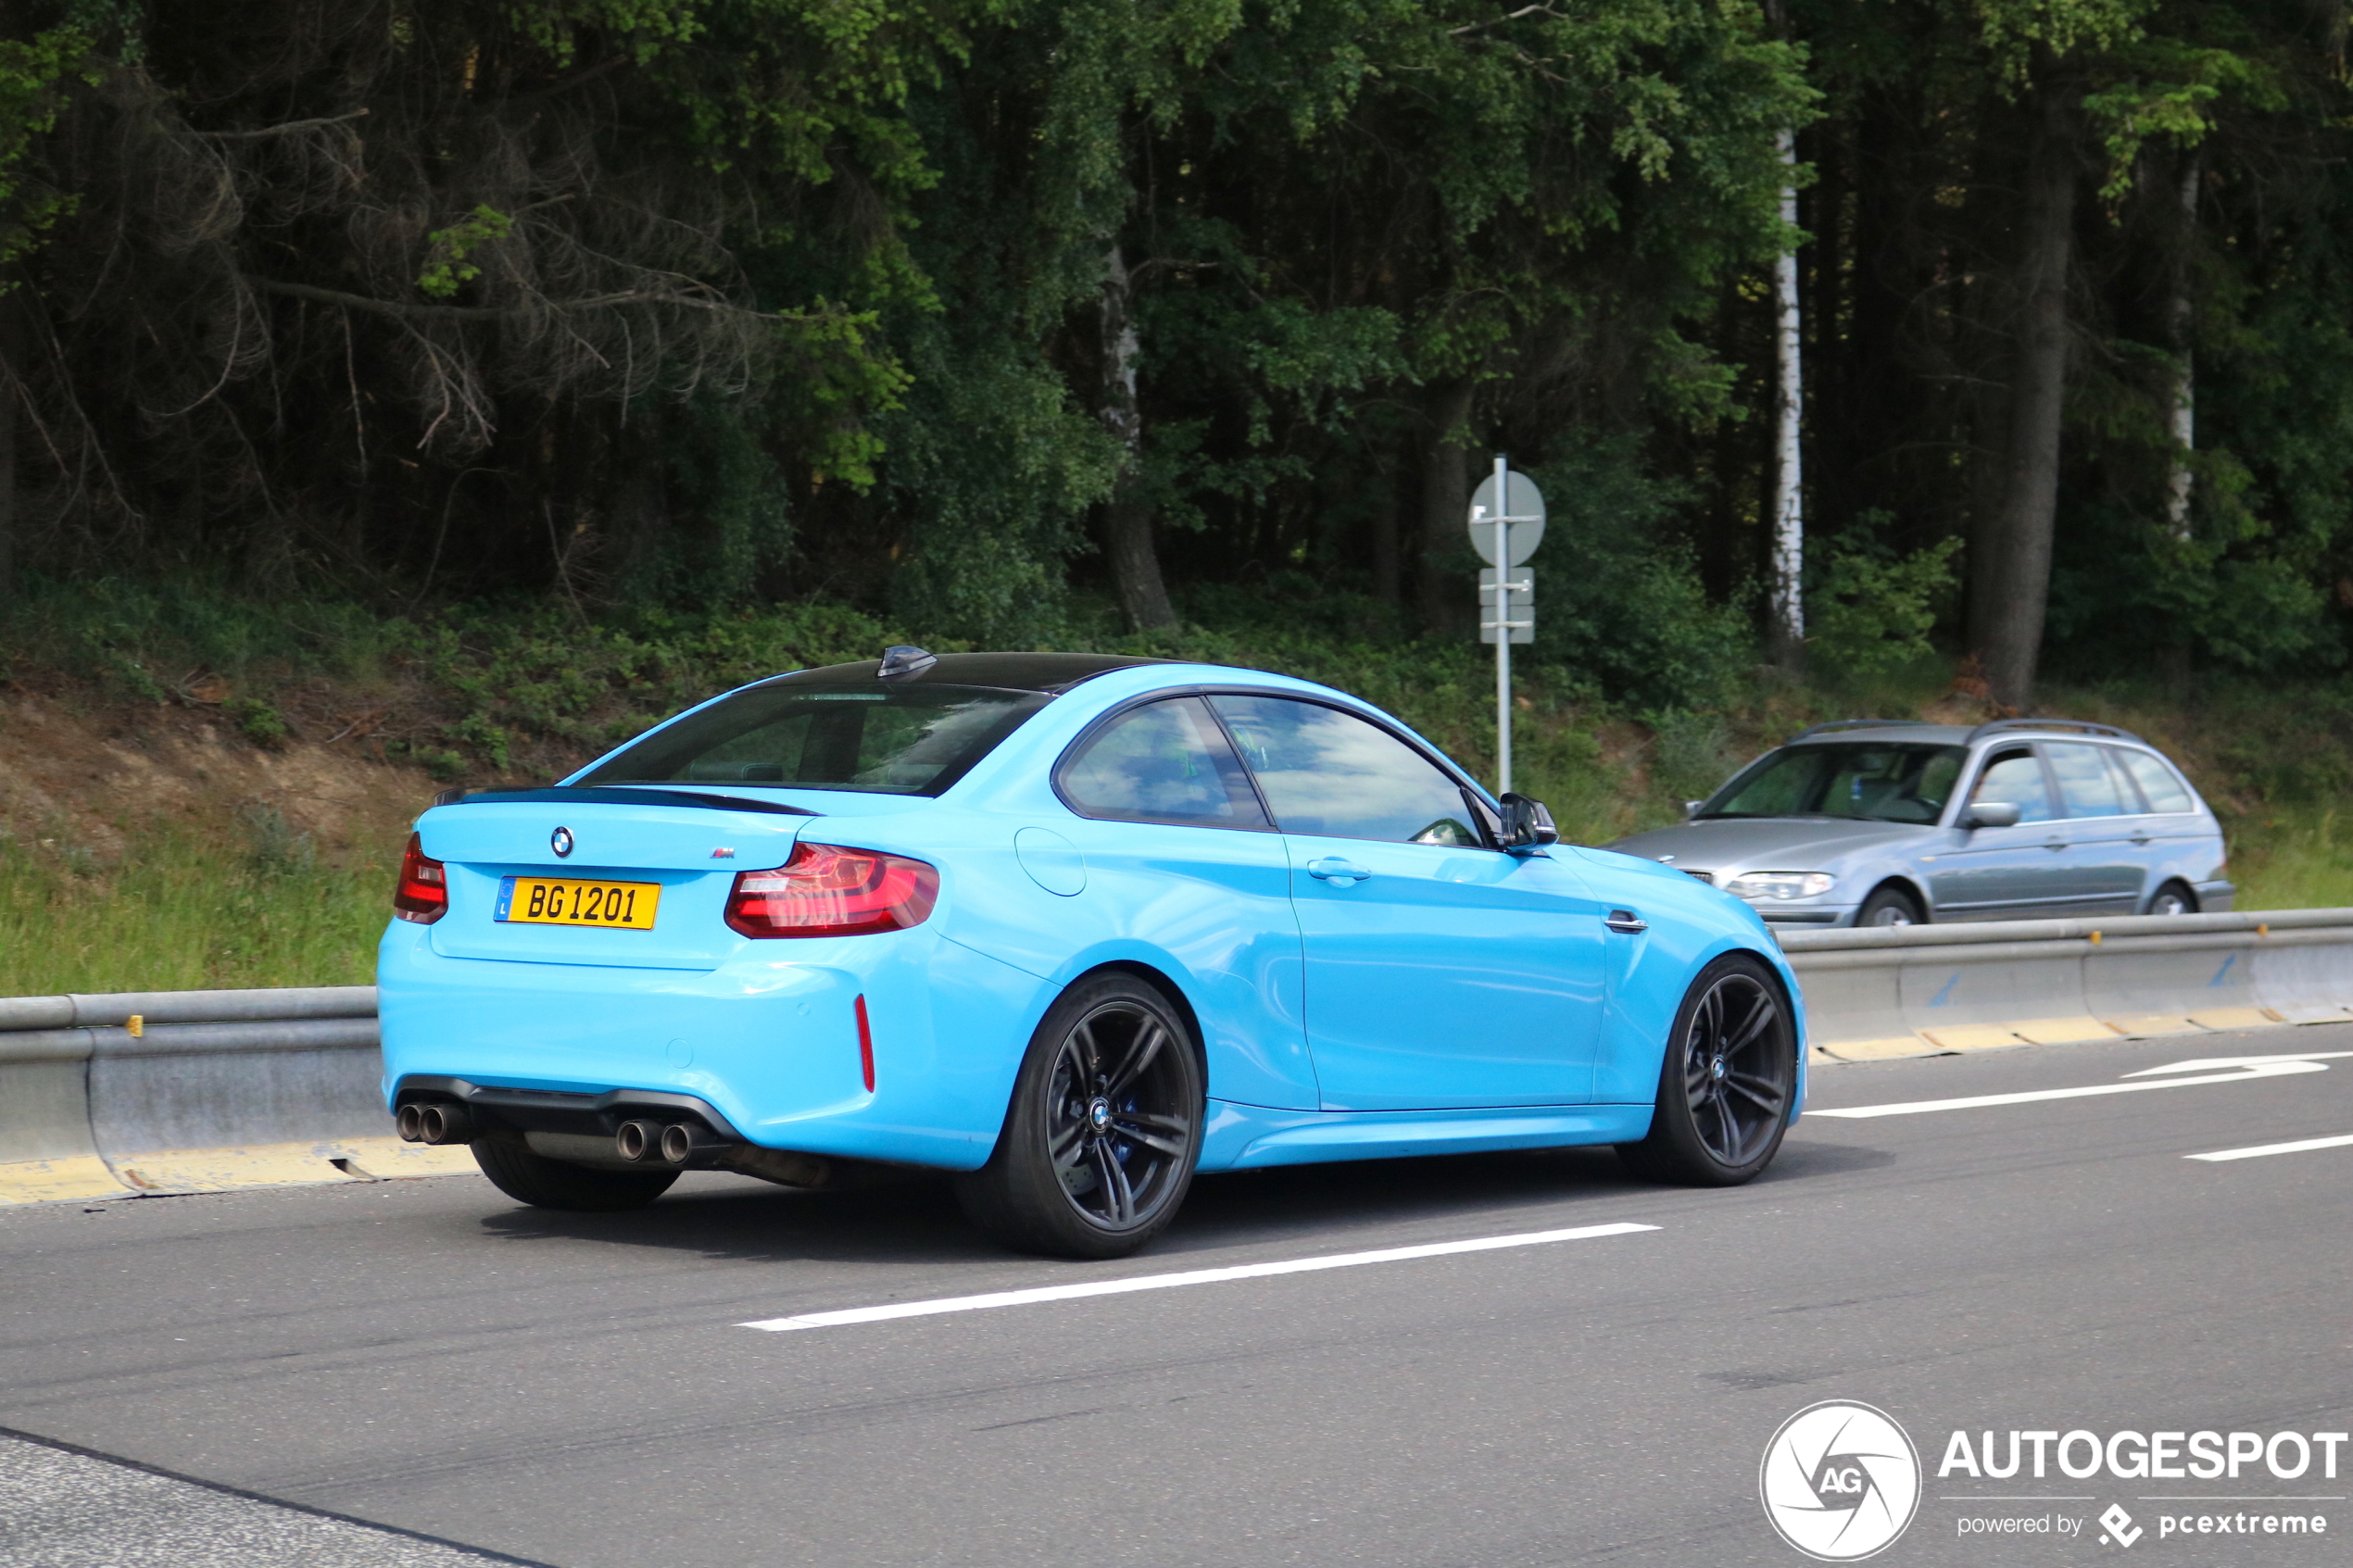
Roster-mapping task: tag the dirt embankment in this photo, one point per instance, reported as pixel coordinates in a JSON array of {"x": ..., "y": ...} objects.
[{"x": 95, "y": 776}]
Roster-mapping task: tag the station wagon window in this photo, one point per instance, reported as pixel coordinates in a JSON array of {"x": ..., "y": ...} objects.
[
  {"x": 1164, "y": 762},
  {"x": 887, "y": 740},
  {"x": 1901, "y": 783},
  {"x": 2085, "y": 784},
  {"x": 2160, "y": 786},
  {"x": 2015, "y": 777},
  {"x": 1333, "y": 774}
]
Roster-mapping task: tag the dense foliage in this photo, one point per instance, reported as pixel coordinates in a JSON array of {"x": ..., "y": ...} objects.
[{"x": 951, "y": 309}]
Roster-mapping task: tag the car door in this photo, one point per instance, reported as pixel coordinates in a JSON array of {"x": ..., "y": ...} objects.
[
  {"x": 1439, "y": 970},
  {"x": 2100, "y": 869},
  {"x": 2170, "y": 820},
  {"x": 2004, "y": 874},
  {"x": 1178, "y": 853}
]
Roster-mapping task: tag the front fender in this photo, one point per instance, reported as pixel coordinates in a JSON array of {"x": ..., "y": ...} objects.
[{"x": 1690, "y": 926}]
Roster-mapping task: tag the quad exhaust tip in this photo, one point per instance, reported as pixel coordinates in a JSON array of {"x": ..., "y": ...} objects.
[
  {"x": 682, "y": 1141},
  {"x": 642, "y": 1141},
  {"x": 435, "y": 1122},
  {"x": 637, "y": 1140}
]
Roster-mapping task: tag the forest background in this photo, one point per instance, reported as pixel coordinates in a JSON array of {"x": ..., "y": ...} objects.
[{"x": 461, "y": 384}]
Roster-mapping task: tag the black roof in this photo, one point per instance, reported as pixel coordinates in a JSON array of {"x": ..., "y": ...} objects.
[{"x": 1008, "y": 671}]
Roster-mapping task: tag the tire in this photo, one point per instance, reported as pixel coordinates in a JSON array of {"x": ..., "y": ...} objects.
[
  {"x": 2173, "y": 898},
  {"x": 1725, "y": 1089},
  {"x": 1890, "y": 906},
  {"x": 543, "y": 1183},
  {"x": 1100, "y": 1142}
]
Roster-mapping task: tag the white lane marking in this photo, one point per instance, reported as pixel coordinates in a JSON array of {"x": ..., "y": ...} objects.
[
  {"x": 1970, "y": 1102},
  {"x": 2205, "y": 1063},
  {"x": 2259, "y": 1151},
  {"x": 1195, "y": 1276}
]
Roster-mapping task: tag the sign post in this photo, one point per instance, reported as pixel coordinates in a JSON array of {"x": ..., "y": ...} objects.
[{"x": 1506, "y": 523}]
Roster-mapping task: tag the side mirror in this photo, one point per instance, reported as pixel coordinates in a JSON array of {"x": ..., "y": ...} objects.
[
  {"x": 1991, "y": 814},
  {"x": 1526, "y": 825},
  {"x": 1691, "y": 809}
]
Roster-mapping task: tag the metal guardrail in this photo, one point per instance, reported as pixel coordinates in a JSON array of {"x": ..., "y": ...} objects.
[
  {"x": 1912, "y": 990},
  {"x": 191, "y": 1091}
]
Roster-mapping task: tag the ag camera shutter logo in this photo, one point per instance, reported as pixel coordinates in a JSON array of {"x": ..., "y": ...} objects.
[{"x": 1840, "y": 1481}]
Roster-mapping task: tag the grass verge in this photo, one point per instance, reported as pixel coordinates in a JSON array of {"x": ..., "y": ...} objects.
[
  {"x": 181, "y": 910},
  {"x": 511, "y": 694}
]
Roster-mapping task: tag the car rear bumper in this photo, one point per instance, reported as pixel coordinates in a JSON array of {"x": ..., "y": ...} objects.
[{"x": 769, "y": 1042}]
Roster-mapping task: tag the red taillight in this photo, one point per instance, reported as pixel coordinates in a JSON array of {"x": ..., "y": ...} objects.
[
  {"x": 423, "y": 893},
  {"x": 826, "y": 891}
]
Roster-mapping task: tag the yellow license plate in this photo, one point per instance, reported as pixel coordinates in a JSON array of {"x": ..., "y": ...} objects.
[{"x": 549, "y": 900}]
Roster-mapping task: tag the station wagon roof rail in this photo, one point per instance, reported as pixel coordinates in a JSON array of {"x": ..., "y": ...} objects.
[
  {"x": 1853, "y": 724},
  {"x": 2078, "y": 726}
]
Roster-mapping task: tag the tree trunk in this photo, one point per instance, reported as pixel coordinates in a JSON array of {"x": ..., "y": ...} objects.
[
  {"x": 2007, "y": 618},
  {"x": 2183, "y": 412},
  {"x": 11, "y": 367},
  {"x": 1127, "y": 522},
  {"x": 1983, "y": 364},
  {"x": 1388, "y": 580},
  {"x": 1445, "y": 503},
  {"x": 1788, "y": 633}
]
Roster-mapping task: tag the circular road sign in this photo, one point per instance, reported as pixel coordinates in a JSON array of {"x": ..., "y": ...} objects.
[{"x": 1527, "y": 501}]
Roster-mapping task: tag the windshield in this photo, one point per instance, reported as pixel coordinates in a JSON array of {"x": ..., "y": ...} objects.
[
  {"x": 888, "y": 740},
  {"x": 1881, "y": 782}
]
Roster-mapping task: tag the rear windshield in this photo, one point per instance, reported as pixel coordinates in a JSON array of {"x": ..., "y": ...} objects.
[
  {"x": 1878, "y": 782},
  {"x": 894, "y": 740}
]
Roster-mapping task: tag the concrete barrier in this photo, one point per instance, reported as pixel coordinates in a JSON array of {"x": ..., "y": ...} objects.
[
  {"x": 2303, "y": 981},
  {"x": 1969, "y": 986},
  {"x": 194, "y": 1091},
  {"x": 47, "y": 1151},
  {"x": 199, "y": 1091}
]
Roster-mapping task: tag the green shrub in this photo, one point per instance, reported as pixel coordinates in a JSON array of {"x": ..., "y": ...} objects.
[
  {"x": 257, "y": 720},
  {"x": 1619, "y": 606},
  {"x": 1871, "y": 610}
]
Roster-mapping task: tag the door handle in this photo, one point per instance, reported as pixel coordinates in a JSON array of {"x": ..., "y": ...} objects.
[
  {"x": 1332, "y": 868},
  {"x": 2055, "y": 844},
  {"x": 2140, "y": 840},
  {"x": 1626, "y": 921}
]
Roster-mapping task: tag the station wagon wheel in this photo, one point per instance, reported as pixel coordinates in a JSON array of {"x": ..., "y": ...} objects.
[
  {"x": 1726, "y": 1083},
  {"x": 1100, "y": 1142},
  {"x": 2173, "y": 899},
  {"x": 1889, "y": 905}
]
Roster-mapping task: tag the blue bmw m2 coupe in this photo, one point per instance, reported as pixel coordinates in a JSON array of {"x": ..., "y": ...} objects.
[{"x": 1071, "y": 927}]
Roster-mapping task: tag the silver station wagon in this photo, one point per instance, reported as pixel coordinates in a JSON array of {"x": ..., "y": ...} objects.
[{"x": 1886, "y": 821}]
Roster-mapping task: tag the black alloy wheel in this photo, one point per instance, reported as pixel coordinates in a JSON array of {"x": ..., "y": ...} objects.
[
  {"x": 1100, "y": 1143},
  {"x": 1727, "y": 1084}
]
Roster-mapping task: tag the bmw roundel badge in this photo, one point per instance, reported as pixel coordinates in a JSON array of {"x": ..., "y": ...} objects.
[{"x": 560, "y": 842}]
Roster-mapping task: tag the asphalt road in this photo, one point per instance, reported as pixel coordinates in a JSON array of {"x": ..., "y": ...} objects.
[{"x": 577, "y": 1390}]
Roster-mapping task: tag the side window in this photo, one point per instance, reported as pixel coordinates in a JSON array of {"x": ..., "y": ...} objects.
[
  {"x": 2163, "y": 790},
  {"x": 2016, "y": 776},
  {"x": 1330, "y": 773},
  {"x": 2085, "y": 784},
  {"x": 1164, "y": 762}
]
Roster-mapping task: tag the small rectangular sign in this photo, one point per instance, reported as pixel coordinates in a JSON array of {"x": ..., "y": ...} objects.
[{"x": 1520, "y": 587}]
